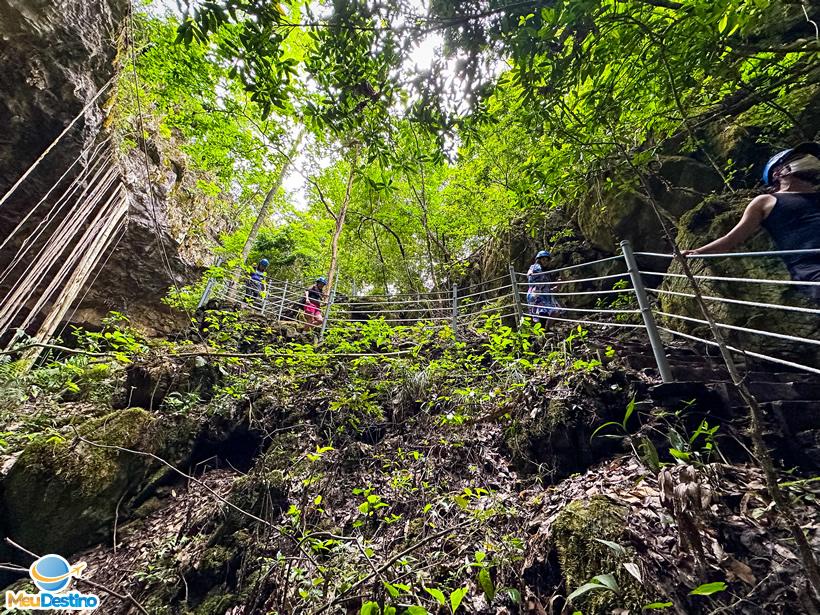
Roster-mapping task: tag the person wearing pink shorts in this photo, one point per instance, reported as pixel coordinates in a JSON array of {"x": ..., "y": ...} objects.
[{"x": 313, "y": 302}]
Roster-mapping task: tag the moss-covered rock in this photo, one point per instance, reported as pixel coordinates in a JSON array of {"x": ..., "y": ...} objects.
[
  {"x": 149, "y": 380},
  {"x": 575, "y": 534},
  {"x": 61, "y": 496},
  {"x": 678, "y": 185},
  {"x": 551, "y": 435},
  {"x": 217, "y": 603},
  {"x": 263, "y": 494},
  {"x": 710, "y": 220}
]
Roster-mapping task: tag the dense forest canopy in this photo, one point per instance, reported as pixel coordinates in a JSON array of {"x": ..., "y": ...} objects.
[
  {"x": 524, "y": 107},
  {"x": 444, "y": 425}
]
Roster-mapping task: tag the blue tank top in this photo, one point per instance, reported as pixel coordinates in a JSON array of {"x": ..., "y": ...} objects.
[{"x": 794, "y": 224}]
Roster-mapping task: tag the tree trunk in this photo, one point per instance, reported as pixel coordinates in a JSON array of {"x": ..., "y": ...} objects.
[
  {"x": 340, "y": 223},
  {"x": 264, "y": 211}
]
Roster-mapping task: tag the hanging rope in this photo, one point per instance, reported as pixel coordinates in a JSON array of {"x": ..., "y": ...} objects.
[
  {"x": 102, "y": 177},
  {"x": 65, "y": 131},
  {"x": 51, "y": 251},
  {"x": 74, "y": 182}
]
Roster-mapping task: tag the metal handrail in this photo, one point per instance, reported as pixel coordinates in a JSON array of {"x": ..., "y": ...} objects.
[
  {"x": 430, "y": 319},
  {"x": 561, "y": 308},
  {"x": 434, "y": 307},
  {"x": 595, "y": 279},
  {"x": 588, "y": 292},
  {"x": 775, "y": 306},
  {"x": 484, "y": 311},
  {"x": 595, "y": 322},
  {"x": 484, "y": 292},
  {"x": 736, "y": 254},
  {"x": 748, "y": 353},
  {"x": 595, "y": 262},
  {"x": 722, "y": 325},
  {"x": 729, "y": 279},
  {"x": 394, "y": 310}
]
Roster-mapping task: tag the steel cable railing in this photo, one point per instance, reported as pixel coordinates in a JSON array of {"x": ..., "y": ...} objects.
[
  {"x": 774, "y": 306},
  {"x": 799, "y": 348},
  {"x": 578, "y": 265},
  {"x": 581, "y": 280},
  {"x": 782, "y": 336},
  {"x": 718, "y": 278},
  {"x": 501, "y": 298},
  {"x": 748, "y": 353},
  {"x": 612, "y": 305},
  {"x": 589, "y": 310}
]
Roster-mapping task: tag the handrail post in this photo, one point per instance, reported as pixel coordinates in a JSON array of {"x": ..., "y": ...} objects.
[
  {"x": 646, "y": 313},
  {"x": 455, "y": 310},
  {"x": 264, "y": 294},
  {"x": 282, "y": 302},
  {"x": 206, "y": 294},
  {"x": 516, "y": 297},
  {"x": 327, "y": 309}
]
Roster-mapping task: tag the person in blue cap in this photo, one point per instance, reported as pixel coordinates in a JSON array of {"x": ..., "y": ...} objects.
[
  {"x": 790, "y": 213},
  {"x": 255, "y": 285},
  {"x": 540, "y": 303}
]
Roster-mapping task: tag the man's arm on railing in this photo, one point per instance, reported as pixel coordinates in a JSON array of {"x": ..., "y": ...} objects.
[{"x": 749, "y": 224}]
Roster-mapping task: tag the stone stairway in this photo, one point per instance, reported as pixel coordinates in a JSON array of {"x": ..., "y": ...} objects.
[{"x": 790, "y": 399}]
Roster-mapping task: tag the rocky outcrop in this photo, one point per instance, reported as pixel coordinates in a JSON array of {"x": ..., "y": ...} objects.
[
  {"x": 61, "y": 496},
  {"x": 678, "y": 184},
  {"x": 172, "y": 224},
  {"x": 55, "y": 57}
]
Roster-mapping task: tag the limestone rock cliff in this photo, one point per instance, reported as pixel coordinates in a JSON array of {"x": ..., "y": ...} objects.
[{"x": 55, "y": 57}]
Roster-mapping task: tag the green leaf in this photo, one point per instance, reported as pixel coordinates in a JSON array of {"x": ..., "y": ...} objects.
[
  {"x": 415, "y": 610},
  {"x": 514, "y": 594},
  {"x": 654, "y": 606},
  {"x": 486, "y": 583},
  {"x": 586, "y": 587},
  {"x": 677, "y": 454},
  {"x": 649, "y": 454},
  {"x": 370, "y": 608},
  {"x": 437, "y": 594},
  {"x": 630, "y": 408},
  {"x": 707, "y": 589},
  {"x": 724, "y": 22},
  {"x": 456, "y": 597},
  {"x": 394, "y": 593},
  {"x": 617, "y": 424},
  {"x": 612, "y": 545},
  {"x": 608, "y": 580}
]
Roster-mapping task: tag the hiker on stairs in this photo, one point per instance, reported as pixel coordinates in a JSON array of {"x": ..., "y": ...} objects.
[
  {"x": 255, "y": 285},
  {"x": 791, "y": 214},
  {"x": 313, "y": 302},
  {"x": 539, "y": 300}
]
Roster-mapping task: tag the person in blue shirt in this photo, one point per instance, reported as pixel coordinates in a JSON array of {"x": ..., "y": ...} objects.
[
  {"x": 790, "y": 213},
  {"x": 540, "y": 302},
  {"x": 255, "y": 285}
]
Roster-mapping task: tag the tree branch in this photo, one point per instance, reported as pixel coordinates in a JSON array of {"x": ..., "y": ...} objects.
[
  {"x": 98, "y": 586},
  {"x": 390, "y": 562}
]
